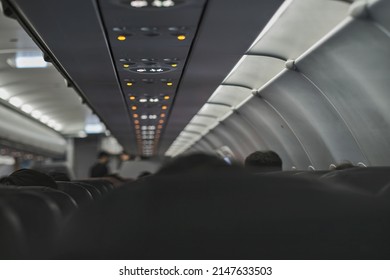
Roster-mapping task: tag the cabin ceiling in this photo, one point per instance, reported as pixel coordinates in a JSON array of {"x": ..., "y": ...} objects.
[{"x": 145, "y": 71}]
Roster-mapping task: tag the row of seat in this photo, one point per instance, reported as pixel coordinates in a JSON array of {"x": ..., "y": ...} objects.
[
  {"x": 369, "y": 180},
  {"x": 32, "y": 217},
  {"x": 228, "y": 213}
]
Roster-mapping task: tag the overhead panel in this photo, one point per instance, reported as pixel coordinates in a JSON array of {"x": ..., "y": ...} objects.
[
  {"x": 255, "y": 71},
  {"x": 150, "y": 42},
  {"x": 300, "y": 25}
]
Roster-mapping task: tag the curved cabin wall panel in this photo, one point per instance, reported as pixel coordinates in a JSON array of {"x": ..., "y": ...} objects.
[
  {"x": 314, "y": 120},
  {"x": 275, "y": 132},
  {"x": 230, "y": 95},
  {"x": 352, "y": 69},
  {"x": 299, "y": 26},
  {"x": 379, "y": 13},
  {"x": 243, "y": 135}
]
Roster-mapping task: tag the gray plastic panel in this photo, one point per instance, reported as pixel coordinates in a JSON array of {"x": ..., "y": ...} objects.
[
  {"x": 230, "y": 95},
  {"x": 379, "y": 12},
  {"x": 276, "y": 133},
  {"x": 357, "y": 66},
  {"x": 255, "y": 71},
  {"x": 217, "y": 111},
  {"x": 301, "y": 25},
  {"x": 314, "y": 120}
]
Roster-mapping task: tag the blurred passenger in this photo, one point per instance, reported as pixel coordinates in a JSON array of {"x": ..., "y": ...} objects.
[
  {"x": 29, "y": 177},
  {"x": 100, "y": 168},
  {"x": 192, "y": 162},
  {"x": 263, "y": 161}
]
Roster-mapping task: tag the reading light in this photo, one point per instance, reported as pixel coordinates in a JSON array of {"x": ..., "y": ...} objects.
[
  {"x": 27, "y": 108},
  {"x": 36, "y": 114},
  {"x": 164, "y": 107},
  {"x": 16, "y": 101},
  {"x": 126, "y": 65},
  {"x": 4, "y": 94},
  {"x": 159, "y": 126},
  {"x": 181, "y": 37},
  {"x": 137, "y": 127},
  {"x": 169, "y": 84},
  {"x": 161, "y": 121},
  {"x": 132, "y": 97},
  {"x": 162, "y": 115},
  {"x": 121, "y": 38},
  {"x": 44, "y": 119},
  {"x": 174, "y": 65},
  {"x": 133, "y": 108},
  {"x": 143, "y": 100},
  {"x": 139, "y": 3},
  {"x": 129, "y": 84},
  {"x": 135, "y": 116},
  {"x": 58, "y": 127},
  {"x": 144, "y": 117},
  {"x": 166, "y": 97},
  {"x": 136, "y": 122}
]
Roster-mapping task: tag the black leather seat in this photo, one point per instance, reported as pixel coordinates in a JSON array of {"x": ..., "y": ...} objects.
[
  {"x": 370, "y": 180},
  {"x": 79, "y": 193},
  {"x": 34, "y": 219}
]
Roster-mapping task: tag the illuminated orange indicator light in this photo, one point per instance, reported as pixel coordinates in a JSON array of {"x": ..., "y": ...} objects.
[
  {"x": 135, "y": 116},
  {"x": 161, "y": 121},
  {"x": 132, "y": 97},
  {"x": 133, "y": 108},
  {"x": 137, "y": 127},
  {"x": 164, "y": 107},
  {"x": 121, "y": 38},
  {"x": 159, "y": 126},
  {"x": 169, "y": 84},
  {"x": 166, "y": 97},
  {"x": 136, "y": 122},
  {"x": 129, "y": 84},
  {"x": 162, "y": 115},
  {"x": 181, "y": 37}
]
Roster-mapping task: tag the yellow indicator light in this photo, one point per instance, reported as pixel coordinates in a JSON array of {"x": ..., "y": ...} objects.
[
  {"x": 180, "y": 37},
  {"x": 174, "y": 65},
  {"x": 135, "y": 116},
  {"x": 132, "y": 97},
  {"x": 122, "y": 38},
  {"x": 126, "y": 65},
  {"x": 136, "y": 122},
  {"x": 161, "y": 121},
  {"x": 169, "y": 84},
  {"x": 166, "y": 97},
  {"x": 164, "y": 107},
  {"x": 134, "y": 108},
  {"x": 129, "y": 84},
  {"x": 162, "y": 115}
]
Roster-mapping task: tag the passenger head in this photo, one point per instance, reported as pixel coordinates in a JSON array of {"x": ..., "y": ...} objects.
[
  {"x": 103, "y": 157},
  {"x": 192, "y": 162},
  {"x": 29, "y": 177},
  {"x": 264, "y": 161}
]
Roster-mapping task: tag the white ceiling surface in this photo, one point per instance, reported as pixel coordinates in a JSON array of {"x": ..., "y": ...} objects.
[
  {"x": 294, "y": 29},
  {"x": 42, "y": 88}
]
